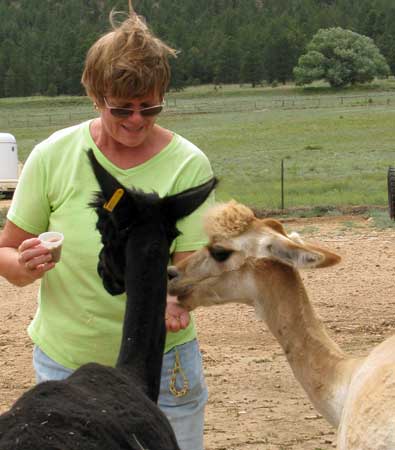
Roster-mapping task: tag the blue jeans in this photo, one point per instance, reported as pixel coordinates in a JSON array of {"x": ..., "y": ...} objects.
[{"x": 185, "y": 412}]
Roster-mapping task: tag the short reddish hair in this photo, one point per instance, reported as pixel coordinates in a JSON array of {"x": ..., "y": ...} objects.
[{"x": 128, "y": 62}]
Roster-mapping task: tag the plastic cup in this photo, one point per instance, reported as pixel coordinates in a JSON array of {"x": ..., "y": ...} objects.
[{"x": 53, "y": 241}]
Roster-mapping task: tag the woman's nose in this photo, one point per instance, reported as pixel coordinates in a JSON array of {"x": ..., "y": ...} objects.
[
  {"x": 172, "y": 272},
  {"x": 136, "y": 117}
]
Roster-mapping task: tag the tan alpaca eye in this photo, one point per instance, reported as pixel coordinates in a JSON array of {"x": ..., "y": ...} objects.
[{"x": 220, "y": 254}]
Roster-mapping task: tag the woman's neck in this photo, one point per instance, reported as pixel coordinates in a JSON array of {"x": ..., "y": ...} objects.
[{"x": 126, "y": 157}]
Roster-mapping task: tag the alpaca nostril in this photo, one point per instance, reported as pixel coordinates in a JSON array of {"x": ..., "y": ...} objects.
[{"x": 172, "y": 272}]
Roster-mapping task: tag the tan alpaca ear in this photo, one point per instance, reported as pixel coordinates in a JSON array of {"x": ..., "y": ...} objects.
[{"x": 297, "y": 254}]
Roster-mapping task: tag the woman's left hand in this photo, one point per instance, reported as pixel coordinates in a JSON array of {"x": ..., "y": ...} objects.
[{"x": 177, "y": 318}]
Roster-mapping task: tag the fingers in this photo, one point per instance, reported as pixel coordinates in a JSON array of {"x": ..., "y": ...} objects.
[
  {"x": 184, "y": 319},
  {"x": 36, "y": 265},
  {"x": 32, "y": 263},
  {"x": 39, "y": 270},
  {"x": 28, "y": 244},
  {"x": 173, "y": 323},
  {"x": 34, "y": 259},
  {"x": 177, "y": 318}
]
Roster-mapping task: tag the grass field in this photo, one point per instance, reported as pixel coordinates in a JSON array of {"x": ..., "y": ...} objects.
[{"x": 335, "y": 146}]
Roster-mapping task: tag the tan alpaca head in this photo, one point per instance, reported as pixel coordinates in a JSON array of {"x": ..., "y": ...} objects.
[{"x": 243, "y": 252}]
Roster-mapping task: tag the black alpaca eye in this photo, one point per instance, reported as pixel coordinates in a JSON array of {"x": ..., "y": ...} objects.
[{"x": 220, "y": 254}]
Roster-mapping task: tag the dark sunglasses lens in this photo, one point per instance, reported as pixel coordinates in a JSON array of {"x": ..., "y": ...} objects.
[
  {"x": 151, "y": 111},
  {"x": 121, "y": 112},
  {"x": 124, "y": 112}
]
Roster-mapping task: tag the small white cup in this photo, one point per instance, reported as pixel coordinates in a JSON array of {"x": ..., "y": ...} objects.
[{"x": 53, "y": 241}]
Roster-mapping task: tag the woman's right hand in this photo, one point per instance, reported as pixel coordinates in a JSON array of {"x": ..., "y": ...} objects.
[
  {"x": 22, "y": 259},
  {"x": 34, "y": 259}
]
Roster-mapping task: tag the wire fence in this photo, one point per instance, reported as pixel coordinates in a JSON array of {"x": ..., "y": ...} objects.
[
  {"x": 261, "y": 103},
  {"x": 221, "y": 104},
  {"x": 12, "y": 121}
]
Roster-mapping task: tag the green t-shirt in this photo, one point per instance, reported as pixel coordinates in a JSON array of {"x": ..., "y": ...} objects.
[{"x": 77, "y": 321}]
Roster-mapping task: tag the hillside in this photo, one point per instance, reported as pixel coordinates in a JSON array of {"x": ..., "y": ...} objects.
[{"x": 43, "y": 42}]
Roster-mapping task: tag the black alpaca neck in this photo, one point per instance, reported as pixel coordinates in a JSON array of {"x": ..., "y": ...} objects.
[{"x": 144, "y": 324}]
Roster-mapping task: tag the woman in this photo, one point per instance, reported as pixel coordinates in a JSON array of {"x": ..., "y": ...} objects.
[{"x": 126, "y": 75}]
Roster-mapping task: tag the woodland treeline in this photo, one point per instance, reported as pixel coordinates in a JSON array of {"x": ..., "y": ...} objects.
[{"x": 43, "y": 42}]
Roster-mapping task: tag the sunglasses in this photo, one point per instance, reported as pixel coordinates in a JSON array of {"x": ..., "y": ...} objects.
[{"x": 127, "y": 112}]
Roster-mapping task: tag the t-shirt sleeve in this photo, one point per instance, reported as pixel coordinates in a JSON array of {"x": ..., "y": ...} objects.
[
  {"x": 192, "y": 236},
  {"x": 30, "y": 207}
]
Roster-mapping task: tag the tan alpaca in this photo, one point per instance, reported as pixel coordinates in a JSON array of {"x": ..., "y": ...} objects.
[{"x": 254, "y": 261}]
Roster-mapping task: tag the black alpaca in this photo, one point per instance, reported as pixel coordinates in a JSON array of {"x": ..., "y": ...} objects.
[{"x": 99, "y": 407}]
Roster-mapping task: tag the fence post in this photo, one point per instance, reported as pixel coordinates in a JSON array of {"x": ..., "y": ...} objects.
[{"x": 282, "y": 185}]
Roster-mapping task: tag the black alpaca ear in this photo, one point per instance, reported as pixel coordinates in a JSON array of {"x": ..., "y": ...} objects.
[
  {"x": 108, "y": 184},
  {"x": 184, "y": 203}
]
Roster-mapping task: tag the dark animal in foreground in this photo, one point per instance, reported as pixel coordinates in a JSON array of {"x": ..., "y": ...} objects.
[{"x": 105, "y": 408}]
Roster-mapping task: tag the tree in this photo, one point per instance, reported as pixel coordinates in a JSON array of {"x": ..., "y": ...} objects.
[
  {"x": 378, "y": 24},
  {"x": 282, "y": 47},
  {"x": 251, "y": 67},
  {"x": 251, "y": 64},
  {"x": 227, "y": 67},
  {"x": 341, "y": 57},
  {"x": 10, "y": 84}
]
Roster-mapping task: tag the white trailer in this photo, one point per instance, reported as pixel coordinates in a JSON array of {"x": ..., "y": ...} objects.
[{"x": 9, "y": 170}]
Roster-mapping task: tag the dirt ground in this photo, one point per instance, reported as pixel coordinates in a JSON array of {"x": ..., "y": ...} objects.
[{"x": 255, "y": 403}]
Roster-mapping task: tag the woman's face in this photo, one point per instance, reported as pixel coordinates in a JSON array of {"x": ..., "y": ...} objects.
[{"x": 134, "y": 130}]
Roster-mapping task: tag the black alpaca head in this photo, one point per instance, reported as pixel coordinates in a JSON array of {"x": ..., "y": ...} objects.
[{"x": 122, "y": 211}]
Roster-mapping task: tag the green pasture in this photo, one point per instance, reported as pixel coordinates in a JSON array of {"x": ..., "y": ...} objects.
[
  {"x": 335, "y": 146},
  {"x": 329, "y": 157}
]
